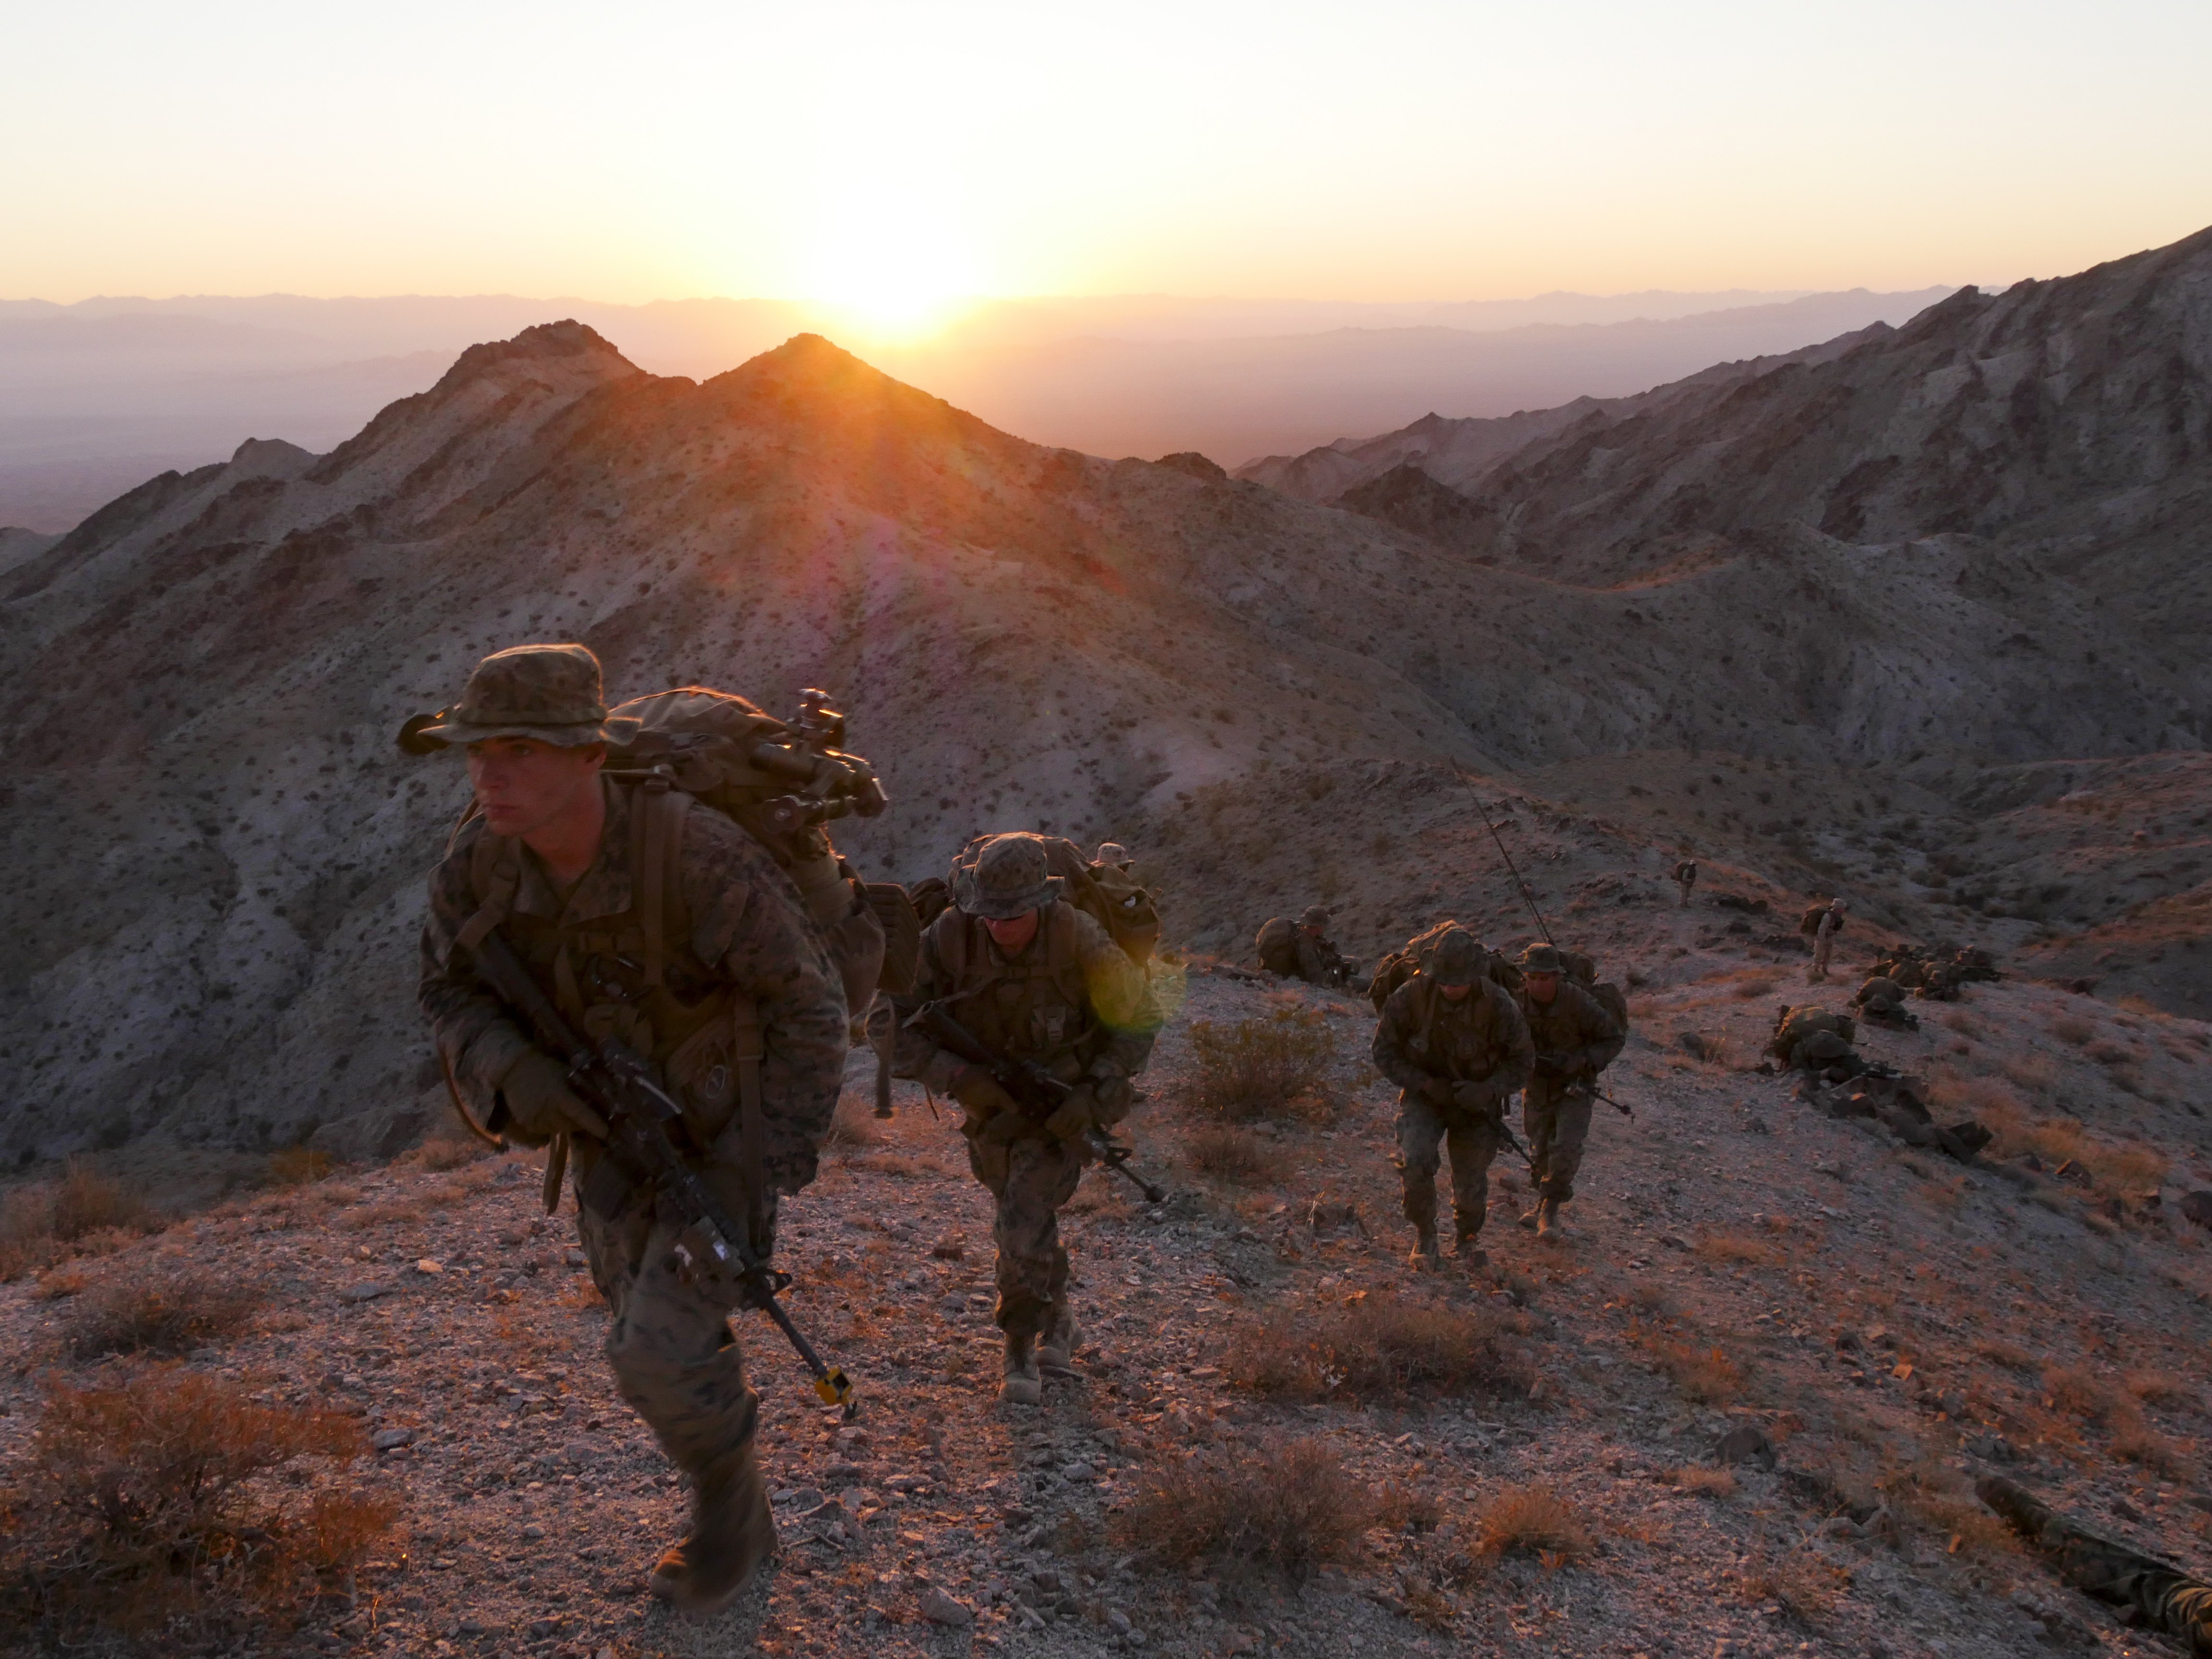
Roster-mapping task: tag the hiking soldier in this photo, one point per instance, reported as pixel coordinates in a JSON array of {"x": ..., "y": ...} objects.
[
  {"x": 642, "y": 917},
  {"x": 1685, "y": 878},
  {"x": 1576, "y": 1038},
  {"x": 1034, "y": 979},
  {"x": 1823, "y": 922},
  {"x": 1457, "y": 1049}
]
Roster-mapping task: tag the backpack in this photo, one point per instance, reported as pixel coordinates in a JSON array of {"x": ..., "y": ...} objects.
[
  {"x": 1107, "y": 894},
  {"x": 1810, "y": 921},
  {"x": 1584, "y": 971},
  {"x": 1403, "y": 963},
  {"x": 1276, "y": 946}
]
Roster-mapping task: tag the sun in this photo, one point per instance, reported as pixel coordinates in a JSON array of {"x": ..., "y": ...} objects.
[{"x": 892, "y": 265}]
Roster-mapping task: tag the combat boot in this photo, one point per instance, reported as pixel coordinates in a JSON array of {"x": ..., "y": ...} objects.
[
  {"x": 1468, "y": 1251},
  {"x": 1022, "y": 1385},
  {"x": 732, "y": 1533},
  {"x": 1426, "y": 1257},
  {"x": 1530, "y": 1216},
  {"x": 1056, "y": 1348},
  {"x": 1550, "y": 1224}
]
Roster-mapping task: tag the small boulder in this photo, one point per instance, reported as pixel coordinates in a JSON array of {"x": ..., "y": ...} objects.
[
  {"x": 940, "y": 1609},
  {"x": 1747, "y": 1442},
  {"x": 2197, "y": 1207}
]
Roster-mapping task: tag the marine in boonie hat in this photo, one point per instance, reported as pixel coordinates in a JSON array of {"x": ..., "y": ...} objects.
[
  {"x": 1542, "y": 959},
  {"x": 1315, "y": 915},
  {"x": 1011, "y": 876},
  {"x": 550, "y": 693},
  {"x": 1456, "y": 960}
]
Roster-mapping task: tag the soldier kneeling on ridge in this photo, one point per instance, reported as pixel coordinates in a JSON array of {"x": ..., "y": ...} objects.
[
  {"x": 1457, "y": 1049},
  {"x": 1880, "y": 1001}
]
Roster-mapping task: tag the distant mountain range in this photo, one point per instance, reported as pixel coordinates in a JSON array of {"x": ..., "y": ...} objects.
[{"x": 95, "y": 396}]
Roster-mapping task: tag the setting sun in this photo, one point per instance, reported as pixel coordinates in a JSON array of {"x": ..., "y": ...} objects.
[{"x": 894, "y": 262}]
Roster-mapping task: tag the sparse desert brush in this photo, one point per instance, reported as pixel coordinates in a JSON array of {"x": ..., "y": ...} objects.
[
  {"x": 143, "y": 1509},
  {"x": 2035, "y": 1075},
  {"x": 1377, "y": 1347},
  {"x": 1234, "y": 1154},
  {"x": 1962, "y": 1021},
  {"x": 854, "y": 1127},
  {"x": 2074, "y": 1389},
  {"x": 1736, "y": 1248},
  {"x": 1261, "y": 1068},
  {"x": 1702, "y": 1482},
  {"x": 1753, "y": 985},
  {"x": 2076, "y": 1028},
  {"x": 1796, "y": 1579},
  {"x": 2160, "y": 1388},
  {"x": 1287, "y": 1507},
  {"x": 1939, "y": 1499},
  {"x": 2056, "y": 1140},
  {"x": 442, "y": 1152},
  {"x": 1653, "y": 1298},
  {"x": 1706, "y": 1374},
  {"x": 43, "y": 1221},
  {"x": 2010, "y": 1355},
  {"x": 300, "y": 1166},
  {"x": 1401, "y": 1507},
  {"x": 154, "y": 1310},
  {"x": 2136, "y": 1441},
  {"x": 1531, "y": 1520}
]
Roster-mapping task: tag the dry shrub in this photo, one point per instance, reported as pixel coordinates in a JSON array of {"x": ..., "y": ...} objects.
[
  {"x": 143, "y": 1507},
  {"x": 1260, "y": 1068},
  {"x": 1233, "y": 1155},
  {"x": 1286, "y": 1507},
  {"x": 1654, "y": 1298},
  {"x": 2074, "y": 1029},
  {"x": 1533, "y": 1520},
  {"x": 2160, "y": 1388},
  {"x": 2010, "y": 1355},
  {"x": 1702, "y": 1482},
  {"x": 1752, "y": 987},
  {"x": 159, "y": 1310},
  {"x": 1942, "y": 1501},
  {"x": 1707, "y": 1375},
  {"x": 2136, "y": 1442},
  {"x": 1376, "y": 1347},
  {"x": 443, "y": 1152},
  {"x": 854, "y": 1127},
  {"x": 1400, "y": 1507},
  {"x": 2074, "y": 1389},
  {"x": 1809, "y": 1587},
  {"x": 43, "y": 1221},
  {"x": 2056, "y": 1140},
  {"x": 300, "y": 1166},
  {"x": 2141, "y": 1007},
  {"x": 1962, "y": 1021},
  {"x": 1736, "y": 1248},
  {"x": 2033, "y": 1073}
]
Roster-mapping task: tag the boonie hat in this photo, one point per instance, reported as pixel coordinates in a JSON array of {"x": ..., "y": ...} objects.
[
  {"x": 1542, "y": 959},
  {"x": 552, "y": 693},
  {"x": 1456, "y": 959},
  {"x": 1010, "y": 875},
  {"x": 1314, "y": 916}
]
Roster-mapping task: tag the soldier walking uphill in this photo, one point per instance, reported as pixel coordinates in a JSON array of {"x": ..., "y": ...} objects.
[
  {"x": 1034, "y": 979},
  {"x": 675, "y": 931},
  {"x": 1457, "y": 1049},
  {"x": 1575, "y": 1039}
]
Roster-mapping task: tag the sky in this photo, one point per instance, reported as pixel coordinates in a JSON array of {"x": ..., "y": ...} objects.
[{"x": 892, "y": 157}]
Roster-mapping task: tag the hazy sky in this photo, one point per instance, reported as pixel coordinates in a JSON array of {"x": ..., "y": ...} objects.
[{"x": 885, "y": 153}]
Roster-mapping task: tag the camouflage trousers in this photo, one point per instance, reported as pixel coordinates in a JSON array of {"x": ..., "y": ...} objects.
[
  {"x": 1823, "y": 947},
  {"x": 676, "y": 1360},
  {"x": 1030, "y": 1178},
  {"x": 1473, "y": 1140},
  {"x": 1555, "y": 1121}
]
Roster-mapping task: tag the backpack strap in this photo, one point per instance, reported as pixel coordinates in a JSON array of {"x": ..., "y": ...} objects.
[
  {"x": 656, "y": 833},
  {"x": 752, "y": 1117},
  {"x": 495, "y": 873}
]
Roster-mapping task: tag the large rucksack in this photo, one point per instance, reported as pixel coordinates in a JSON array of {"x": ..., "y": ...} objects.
[
  {"x": 1402, "y": 964},
  {"x": 1582, "y": 970},
  {"x": 1106, "y": 893},
  {"x": 1809, "y": 923},
  {"x": 1276, "y": 946}
]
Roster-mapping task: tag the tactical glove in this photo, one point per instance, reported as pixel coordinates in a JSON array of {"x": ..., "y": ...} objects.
[
  {"x": 977, "y": 1090},
  {"x": 540, "y": 1102},
  {"x": 1115, "y": 1096},
  {"x": 1075, "y": 1116},
  {"x": 1474, "y": 1097}
]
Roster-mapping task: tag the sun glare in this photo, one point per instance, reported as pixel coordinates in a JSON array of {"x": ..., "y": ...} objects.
[{"x": 896, "y": 268}]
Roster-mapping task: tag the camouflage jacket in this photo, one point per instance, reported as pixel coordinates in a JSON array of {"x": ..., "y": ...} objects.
[
  {"x": 1423, "y": 1037},
  {"x": 737, "y": 929},
  {"x": 1071, "y": 1001},
  {"x": 1319, "y": 963},
  {"x": 1575, "y": 1036}
]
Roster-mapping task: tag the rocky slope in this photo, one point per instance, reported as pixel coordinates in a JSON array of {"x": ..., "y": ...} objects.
[{"x": 219, "y": 853}]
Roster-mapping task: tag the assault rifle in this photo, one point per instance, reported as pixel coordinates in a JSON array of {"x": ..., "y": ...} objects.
[
  {"x": 832, "y": 783},
  {"x": 1555, "y": 1063},
  {"x": 642, "y": 1125},
  {"x": 1036, "y": 1091}
]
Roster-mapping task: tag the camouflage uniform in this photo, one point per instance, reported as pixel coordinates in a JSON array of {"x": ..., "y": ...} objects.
[
  {"x": 1685, "y": 878},
  {"x": 1575, "y": 1039},
  {"x": 1069, "y": 1001},
  {"x": 2146, "y": 1590},
  {"x": 735, "y": 937},
  {"x": 1456, "y": 1063},
  {"x": 1880, "y": 1001}
]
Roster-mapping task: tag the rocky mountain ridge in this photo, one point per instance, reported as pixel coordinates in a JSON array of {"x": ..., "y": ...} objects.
[{"x": 220, "y": 855}]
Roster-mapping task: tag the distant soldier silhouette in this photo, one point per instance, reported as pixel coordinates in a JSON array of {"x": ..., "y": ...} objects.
[{"x": 1685, "y": 878}]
